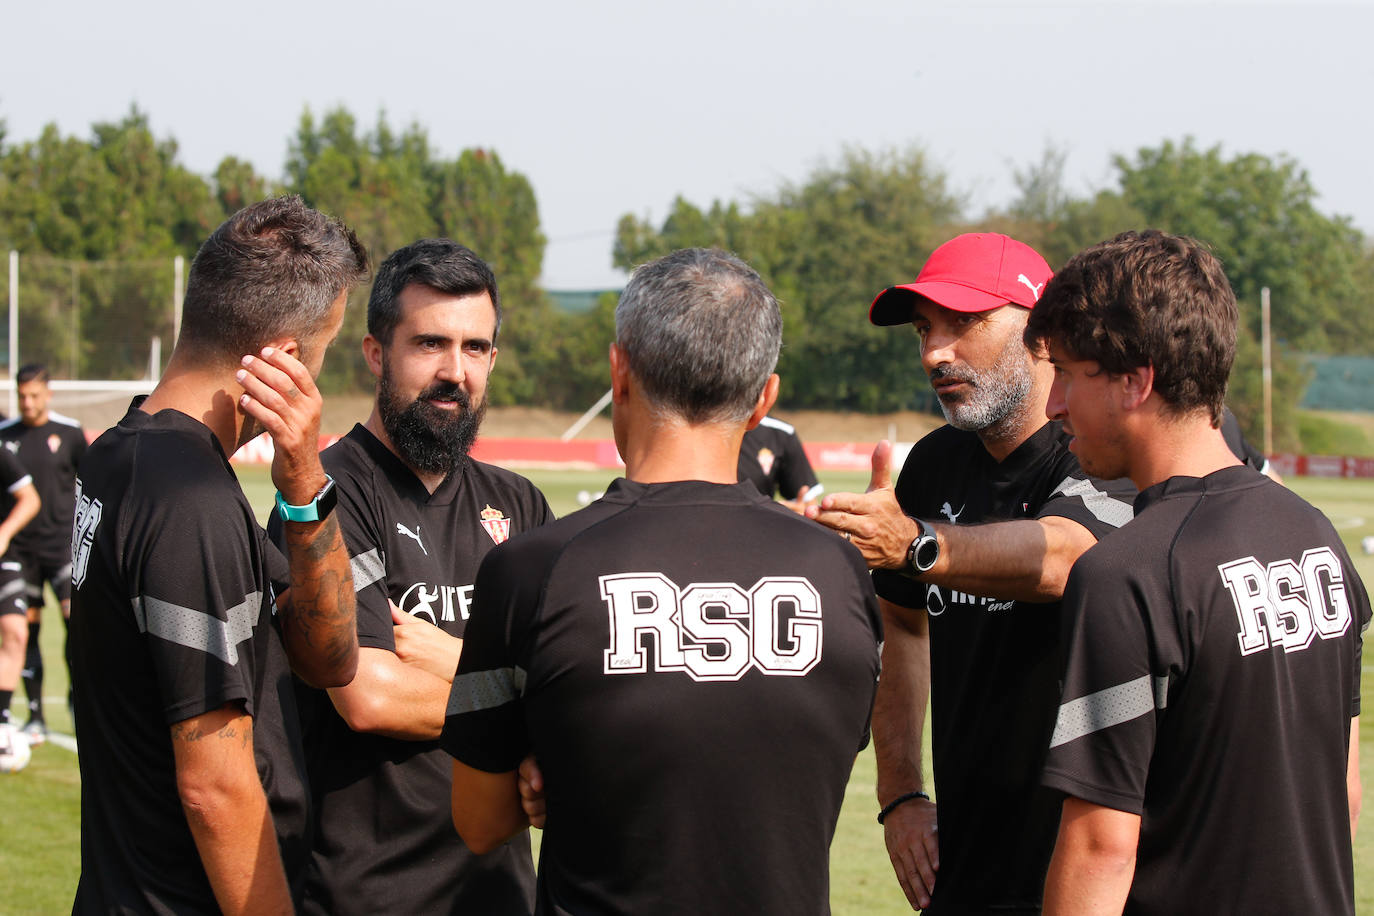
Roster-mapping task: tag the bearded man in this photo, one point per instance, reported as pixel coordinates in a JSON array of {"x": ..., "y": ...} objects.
[
  {"x": 418, "y": 515},
  {"x": 970, "y": 552}
]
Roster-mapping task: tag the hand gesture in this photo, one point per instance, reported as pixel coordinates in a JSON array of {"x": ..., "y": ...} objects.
[
  {"x": 280, "y": 396},
  {"x": 871, "y": 521}
]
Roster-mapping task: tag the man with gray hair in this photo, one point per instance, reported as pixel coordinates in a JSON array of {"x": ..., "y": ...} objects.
[{"x": 682, "y": 654}]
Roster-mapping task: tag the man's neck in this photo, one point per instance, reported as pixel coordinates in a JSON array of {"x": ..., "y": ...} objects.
[
  {"x": 1005, "y": 437},
  {"x": 40, "y": 420},
  {"x": 208, "y": 396},
  {"x": 429, "y": 479},
  {"x": 1170, "y": 446},
  {"x": 671, "y": 450}
]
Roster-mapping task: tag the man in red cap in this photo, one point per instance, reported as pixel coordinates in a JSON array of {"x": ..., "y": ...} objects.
[{"x": 971, "y": 602}]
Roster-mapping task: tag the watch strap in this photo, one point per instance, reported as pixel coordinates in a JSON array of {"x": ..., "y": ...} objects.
[{"x": 313, "y": 511}]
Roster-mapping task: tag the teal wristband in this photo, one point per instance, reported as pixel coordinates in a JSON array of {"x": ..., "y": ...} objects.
[{"x": 318, "y": 508}]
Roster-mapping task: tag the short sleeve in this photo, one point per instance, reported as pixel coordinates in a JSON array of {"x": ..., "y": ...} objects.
[
  {"x": 13, "y": 476},
  {"x": 1104, "y": 733},
  {"x": 1101, "y": 506},
  {"x": 200, "y": 600},
  {"x": 484, "y": 726},
  {"x": 367, "y": 562}
]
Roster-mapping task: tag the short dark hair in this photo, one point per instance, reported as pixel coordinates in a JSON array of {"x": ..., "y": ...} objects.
[
  {"x": 440, "y": 264},
  {"x": 701, "y": 332},
  {"x": 31, "y": 372},
  {"x": 1146, "y": 299},
  {"x": 271, "y": 270}
]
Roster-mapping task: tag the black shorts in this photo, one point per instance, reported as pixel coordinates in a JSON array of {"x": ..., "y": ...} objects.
[
  {"x": 12, "y": 597},
  {"x": 50, "y": 563}
]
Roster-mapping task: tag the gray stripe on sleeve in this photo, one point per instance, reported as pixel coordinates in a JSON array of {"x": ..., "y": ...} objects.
[
  {"x": 1104, "y": 709},
  {"x": 1103, "y": 506},
  {"x": 479, "y": 690},
  {"x": 198, "y": 630},
  {"x": 367, "y": 569}
]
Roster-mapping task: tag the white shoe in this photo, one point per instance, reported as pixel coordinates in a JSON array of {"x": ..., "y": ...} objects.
[{"x": 14, "y": 749}]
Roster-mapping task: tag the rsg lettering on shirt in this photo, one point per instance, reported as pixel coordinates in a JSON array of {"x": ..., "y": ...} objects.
[
  {"x": 1288, "y": 603},
  {"x": 712, "y": 631}
]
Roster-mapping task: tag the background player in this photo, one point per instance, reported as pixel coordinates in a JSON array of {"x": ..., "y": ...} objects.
[
  {"x": 418, "y": 515},
  {"x": 50, "y": 447},
  {"x": 1212, "y": 685},
  {"x": 969, "y": 592},
  {"x": 772, "y": 457},
  {"x": 181, "y": 631},
  {"x": 695, "y": 741},
  {"x": 19, "y": 504}
]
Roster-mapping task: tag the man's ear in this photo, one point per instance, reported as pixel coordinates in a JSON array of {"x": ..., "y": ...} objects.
[
  {"x": 1136, "y": 386},
  {"x": 372, "y": 353},
  {"x": 767, "y": 398},
  {"x": 288, "y": 345},
  {"x": 620, "y": 375}
]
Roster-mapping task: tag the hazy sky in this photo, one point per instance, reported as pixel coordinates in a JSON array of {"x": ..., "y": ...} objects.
[{"x": 615, "y": 107}]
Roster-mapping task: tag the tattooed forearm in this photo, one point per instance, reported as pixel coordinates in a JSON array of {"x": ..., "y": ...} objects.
[
  {"x": 313, "y": 543},
  {"x": 191, "y": 731},
  {"x": 318, "y": 621}
]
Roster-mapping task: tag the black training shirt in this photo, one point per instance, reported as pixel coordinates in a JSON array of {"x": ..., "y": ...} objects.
[
  {"x": 172, "y": 617},
  {"x": 694, "y": 667},
  {"x": 1213, "y": 669},
  {"x": 385, "y": 840},
  {"x": 994, "y": 680}
]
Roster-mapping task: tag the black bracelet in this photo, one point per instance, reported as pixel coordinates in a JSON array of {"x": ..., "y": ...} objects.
[{"x": 900, "y": 800}]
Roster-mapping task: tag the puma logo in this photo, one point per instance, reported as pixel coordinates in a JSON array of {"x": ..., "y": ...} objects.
[
  {"x": 948, "y": 512},
  {"x": 1035, "y": 290},
  {"x": 413, "y": 535}
]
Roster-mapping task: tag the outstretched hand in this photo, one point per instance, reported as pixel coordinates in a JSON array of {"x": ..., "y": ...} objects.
[
  {"x": 871, "y": 521},
  {"x": 281, "y": 396}
]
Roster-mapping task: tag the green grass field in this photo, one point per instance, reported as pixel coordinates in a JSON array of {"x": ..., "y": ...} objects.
[{"x": 39, "y": 808}]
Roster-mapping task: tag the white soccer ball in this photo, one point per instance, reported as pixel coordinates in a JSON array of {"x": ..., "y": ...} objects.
[{"x": 14, "y": 749}]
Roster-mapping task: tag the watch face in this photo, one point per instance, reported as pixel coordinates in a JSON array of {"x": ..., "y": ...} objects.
[{"x": 924, "y": 551}]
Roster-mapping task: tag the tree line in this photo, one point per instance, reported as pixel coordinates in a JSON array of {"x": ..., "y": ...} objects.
[{"x": 825, "y": 244}]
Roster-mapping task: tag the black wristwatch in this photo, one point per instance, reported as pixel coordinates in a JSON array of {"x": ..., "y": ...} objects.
[
  {"x": 318, "y": 508},
  {"x": 924, "y": 551}
]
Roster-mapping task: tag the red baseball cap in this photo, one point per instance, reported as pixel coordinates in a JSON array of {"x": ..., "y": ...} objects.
[{"x": 974, "y": 272}]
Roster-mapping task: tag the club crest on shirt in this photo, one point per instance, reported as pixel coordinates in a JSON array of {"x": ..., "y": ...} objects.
[
  {"x": 496, "y": 523},
  {"x": 54, "y": 443},
  {"x": 766, "y": 460},
  {"x": 13, "y": 446}
]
